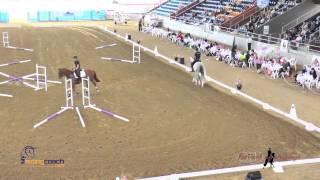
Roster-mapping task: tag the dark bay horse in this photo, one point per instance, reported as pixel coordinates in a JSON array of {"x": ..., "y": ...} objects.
[{"x": 63, "y": 72}]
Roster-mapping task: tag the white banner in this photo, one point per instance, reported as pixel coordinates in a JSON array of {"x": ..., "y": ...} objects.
[
  {"x": 265, "y": 29},
  {"x": 263, "y": 3},
  {"x": 284, "y": 45}
]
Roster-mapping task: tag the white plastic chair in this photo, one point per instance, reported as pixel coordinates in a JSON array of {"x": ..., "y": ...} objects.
[
  {"x": 250, "y": 62},
  {"x": 275, "y": 74},
  {"x": 244, "y": 65},
  {"x": 318, "y": 83},
  {"x": 293, "y": 63}
]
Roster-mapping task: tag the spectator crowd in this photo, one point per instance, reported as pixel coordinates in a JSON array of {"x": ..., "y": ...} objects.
[
  {"x": 275, "y": 8},
  {"x": 272, "y": 64}
]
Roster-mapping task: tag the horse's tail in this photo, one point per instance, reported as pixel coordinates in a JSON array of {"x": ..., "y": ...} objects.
[
  {"x": 96, "y": 77},
  {"x": 202, "y": 70}
]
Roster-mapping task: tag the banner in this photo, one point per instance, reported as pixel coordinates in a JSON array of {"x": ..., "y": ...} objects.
[
  {"x": 267, "y": 50},
  {"x": 263, "y": 3},
  {"x": 315, "y": 59},
  {"x": 284, "y": 45},
  {"x": 266, "y": 29}
]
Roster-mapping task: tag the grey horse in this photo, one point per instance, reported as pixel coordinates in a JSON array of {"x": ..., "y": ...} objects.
[{"x": 199, "y": 74}]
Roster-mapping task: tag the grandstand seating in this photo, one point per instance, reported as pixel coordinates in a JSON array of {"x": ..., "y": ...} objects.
[
  {"x": 275, "y": 8},
  {"x": 171, "y": 6},
  {"x": 306, "y": 31},
  {"x": 215, "y": 11}
]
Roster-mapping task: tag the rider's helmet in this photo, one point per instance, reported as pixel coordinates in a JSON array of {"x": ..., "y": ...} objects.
[{"x": 76, "y": 62}]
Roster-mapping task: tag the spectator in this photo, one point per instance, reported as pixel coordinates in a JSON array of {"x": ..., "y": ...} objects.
[{"x": 249, "y": 41}]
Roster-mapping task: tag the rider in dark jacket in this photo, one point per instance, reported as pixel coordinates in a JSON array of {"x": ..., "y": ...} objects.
[
  {"x": 197, "y": 57},
  {"x": 77, "y": 68}
]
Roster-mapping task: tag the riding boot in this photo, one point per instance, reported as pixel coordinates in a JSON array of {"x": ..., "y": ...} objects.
[{"x": 192, "y": 63}]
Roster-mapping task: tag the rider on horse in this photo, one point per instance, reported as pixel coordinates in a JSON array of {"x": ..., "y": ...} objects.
[
  {"x": 77, "y": 68},
  {"x": 197, "y": 56}
]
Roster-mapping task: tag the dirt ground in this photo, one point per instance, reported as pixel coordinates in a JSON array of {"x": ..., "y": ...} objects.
[{"x": 174, "y": 127}]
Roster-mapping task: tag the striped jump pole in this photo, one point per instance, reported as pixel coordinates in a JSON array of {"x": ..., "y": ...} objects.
[
  {"x": 69, "y": 105},
  {"x": 52, "y": 116},
  {"x": 106, "y": 112},
  {"x": 86, "y": 101},
  {"x": 40, "y": 77},
  {"x": 16, "y": 79}
]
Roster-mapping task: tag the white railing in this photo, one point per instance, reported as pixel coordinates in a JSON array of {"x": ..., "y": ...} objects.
[{"x": 299, "y": 20}]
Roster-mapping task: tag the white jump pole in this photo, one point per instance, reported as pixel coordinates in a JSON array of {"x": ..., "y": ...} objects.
[
  {"x": 116, "y": 59},
  {"x": 6, "y": 44},
  {"x": 103, "y": 46},
  {"x": 15, "y": 62},
  {"x": 136, "y": 54},
  {"x": 6, "y": 95},
  {"x": 80, "y": 117}
]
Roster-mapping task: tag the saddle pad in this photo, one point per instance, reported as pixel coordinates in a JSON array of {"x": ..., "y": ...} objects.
[{"x": 82, "y": 73}]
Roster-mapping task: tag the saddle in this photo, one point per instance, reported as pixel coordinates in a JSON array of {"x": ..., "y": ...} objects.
[{"x": 82, "y": 74}]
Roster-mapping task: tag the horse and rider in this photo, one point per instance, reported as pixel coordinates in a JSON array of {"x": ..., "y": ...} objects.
[
  {"x": 77, "y": 73},
  {"x": 198, "y": 69}
]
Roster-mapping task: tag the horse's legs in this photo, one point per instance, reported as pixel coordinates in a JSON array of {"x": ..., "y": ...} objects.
[
  {"x": 74, "y": 83},
  {"x": 95, "y": 84}
]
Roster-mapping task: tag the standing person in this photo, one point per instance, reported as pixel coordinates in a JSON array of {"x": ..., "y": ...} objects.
[
  {"x": 233, "y": 52},
  {"x": 249, "y": 41},
  {"x": 271, "y": 159},
  {"x": 77, "y": 68},
  {"x": 269, "y": 155},
  {"x": 197, "y": 56},
  {"x": 140, "y": 25}
]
